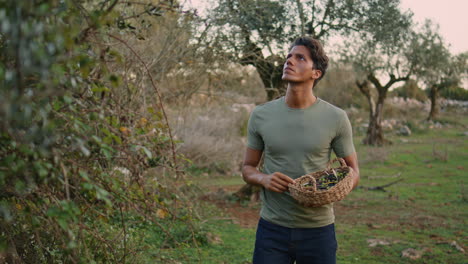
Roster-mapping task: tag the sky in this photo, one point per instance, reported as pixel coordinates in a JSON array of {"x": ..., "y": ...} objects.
[{"x": 451, "y": 15}]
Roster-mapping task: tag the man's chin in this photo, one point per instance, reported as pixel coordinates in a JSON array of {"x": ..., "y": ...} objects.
[{"x": 287, "y": 78}]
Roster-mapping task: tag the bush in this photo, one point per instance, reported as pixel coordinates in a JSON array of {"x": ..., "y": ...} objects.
[
  {"x": 339, "y": 88},
  {"x": 76, "y": 139},
  {"x": 410, "y": 90},
  {"x": 455, "y": 93},
  {"x": 211, "y": 137}
]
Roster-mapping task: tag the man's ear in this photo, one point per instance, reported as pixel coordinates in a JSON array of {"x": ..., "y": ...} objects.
[{"x": 316, "y": 74}]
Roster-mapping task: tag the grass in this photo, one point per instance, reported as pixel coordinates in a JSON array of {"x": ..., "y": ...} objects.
[{"x": 426, "y": 211}]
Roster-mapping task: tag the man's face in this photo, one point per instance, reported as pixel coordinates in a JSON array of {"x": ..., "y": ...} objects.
[{"x": 299, "y": 66}]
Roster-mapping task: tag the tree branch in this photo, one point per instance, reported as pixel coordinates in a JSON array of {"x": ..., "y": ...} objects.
[
  {"x": 381, "y": 187},
  {"x": 394, "y": 79},
  {"x": 174, "y": 157},
  {"x": 301, "y": 15},
  {"x": 371, "y": 77}
]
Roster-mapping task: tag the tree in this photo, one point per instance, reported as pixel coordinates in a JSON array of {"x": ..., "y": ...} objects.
[
  {"x": 258, "y": 32},
  {"x": 384, "y": 54},
  {"x": 434, "y": 65}
]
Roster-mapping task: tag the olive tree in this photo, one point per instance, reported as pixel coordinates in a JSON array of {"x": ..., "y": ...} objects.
[
  {"x": 435, "y": 66},
  {"x": 258, "y": 32},
  {"x": 381, "y": 60}
]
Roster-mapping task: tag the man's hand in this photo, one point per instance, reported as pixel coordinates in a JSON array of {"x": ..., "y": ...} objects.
[{"x": 276, "y": 182}]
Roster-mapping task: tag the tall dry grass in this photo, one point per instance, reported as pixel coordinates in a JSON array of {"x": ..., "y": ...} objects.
[{"x": 211, "y": 136}]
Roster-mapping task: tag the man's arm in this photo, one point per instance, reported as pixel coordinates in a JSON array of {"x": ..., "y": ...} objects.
[
  {"x": 352, "y": 162},
  {"x": 276, "y": 182}
]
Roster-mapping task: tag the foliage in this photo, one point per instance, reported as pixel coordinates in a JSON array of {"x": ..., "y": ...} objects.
[
  {"x": 455, "y": 93},
  {"x": 410, "y": 90},
  {"x": 434, "y": 65},
  {"x": 76, "y": 141},
  {"x": 386, "y": 52},
  {"x": 258, "y": 32},
  {"x": 338, "y": 87},
  {"x": 430, "y": 54}
]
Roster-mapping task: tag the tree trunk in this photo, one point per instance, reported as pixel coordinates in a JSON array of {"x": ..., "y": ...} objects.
[
  {"x": 374, "y": 134},
  {"x": 271, "y": 71},
  {"x": 270, "y": 68},
  {"x": 248, "y": 192},
  {"x": 434, "y": 95}
]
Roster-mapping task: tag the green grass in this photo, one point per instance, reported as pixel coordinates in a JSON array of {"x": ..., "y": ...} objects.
[
  {"x": 236, "y": 246},
  {"x": 233, "y": 245},
  {"x": 425, "y": 211}
]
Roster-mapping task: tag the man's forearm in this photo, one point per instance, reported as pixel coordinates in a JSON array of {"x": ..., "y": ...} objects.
[
  {"x": 252, "y": 175},
  {"x": 356, "y": 176}
]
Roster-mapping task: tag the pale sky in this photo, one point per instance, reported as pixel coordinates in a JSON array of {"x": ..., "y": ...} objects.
[{"x": 451, "y": 15}]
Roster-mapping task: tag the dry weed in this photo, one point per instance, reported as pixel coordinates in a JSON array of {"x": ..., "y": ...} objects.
[{"x": 211, "y": 136}]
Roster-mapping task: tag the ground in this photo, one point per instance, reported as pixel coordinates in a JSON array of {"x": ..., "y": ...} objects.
[
  {"x": 420, "y": 219},
  {"x": 243, "y": 214}
]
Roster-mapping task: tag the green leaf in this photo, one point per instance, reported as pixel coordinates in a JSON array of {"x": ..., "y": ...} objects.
[
  {"x": 115, "y": 80},
  {"x": 147, "y": 152},
  {"x": 103, "y": 195},
  {"x": 83, "y": 175}
]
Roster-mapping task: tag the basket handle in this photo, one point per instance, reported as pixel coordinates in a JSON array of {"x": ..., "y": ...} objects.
[
  {"x": 313, "y": 181},
  {"x": 342, "y": 163}
]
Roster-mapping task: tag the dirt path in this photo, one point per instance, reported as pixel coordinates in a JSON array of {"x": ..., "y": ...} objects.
[{"x": 243, "y": 214}]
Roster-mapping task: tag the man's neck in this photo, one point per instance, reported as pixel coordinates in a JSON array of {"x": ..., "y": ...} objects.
[{"x": 300, "y": 95}]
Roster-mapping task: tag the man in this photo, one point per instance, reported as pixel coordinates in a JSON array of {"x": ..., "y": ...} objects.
[{"x": 297, "y": 132}]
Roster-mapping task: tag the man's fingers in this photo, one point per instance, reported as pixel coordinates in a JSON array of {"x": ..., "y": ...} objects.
[
  {"x": 279, "y": 186},
  {"x": 284, "y": 177},
  {"x": 280, "y": 182},
  {"x": 278, "y": 190}
]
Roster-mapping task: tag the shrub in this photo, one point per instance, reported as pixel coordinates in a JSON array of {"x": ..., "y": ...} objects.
[
  {"x": 410, "y": 90},
  {"x": 455, "y": 93},
  {"x": 75, "y": 140}
]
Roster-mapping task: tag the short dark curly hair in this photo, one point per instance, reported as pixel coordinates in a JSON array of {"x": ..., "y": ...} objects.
[{"x": 317, "y": 53}]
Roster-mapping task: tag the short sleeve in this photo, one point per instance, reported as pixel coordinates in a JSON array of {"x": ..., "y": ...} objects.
[
  {"x": 342, "y": 144},
  {"x": 254, "y": 139}
]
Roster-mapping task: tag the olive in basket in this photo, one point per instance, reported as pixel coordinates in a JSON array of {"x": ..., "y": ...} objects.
[{"x": 327, "y": 181}]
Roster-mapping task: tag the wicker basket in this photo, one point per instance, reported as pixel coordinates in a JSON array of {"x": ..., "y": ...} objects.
[{"x": 312, "y": 197}]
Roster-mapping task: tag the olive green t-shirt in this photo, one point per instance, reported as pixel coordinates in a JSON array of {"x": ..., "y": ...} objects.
[{"x": 296, "y": 142}]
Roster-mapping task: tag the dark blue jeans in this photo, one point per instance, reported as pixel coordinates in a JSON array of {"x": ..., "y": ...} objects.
[{"x": 282, "y": 245}]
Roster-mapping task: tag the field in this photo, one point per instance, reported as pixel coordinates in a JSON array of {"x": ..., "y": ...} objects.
[{"x": 422, "y": 213}]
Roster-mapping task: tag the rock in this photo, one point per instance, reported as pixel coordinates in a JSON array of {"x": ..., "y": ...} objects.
[
  {"x": 214, "y": 239},
  {"x": 412, "y": 253},
  {"x": 457, "y": 246},
  {"x": 374, "y": 242},
  {"x": 404, "y": 131}
]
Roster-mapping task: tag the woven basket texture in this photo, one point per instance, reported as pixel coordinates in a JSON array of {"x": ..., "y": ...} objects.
[{"x": 310, "y": 196}]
